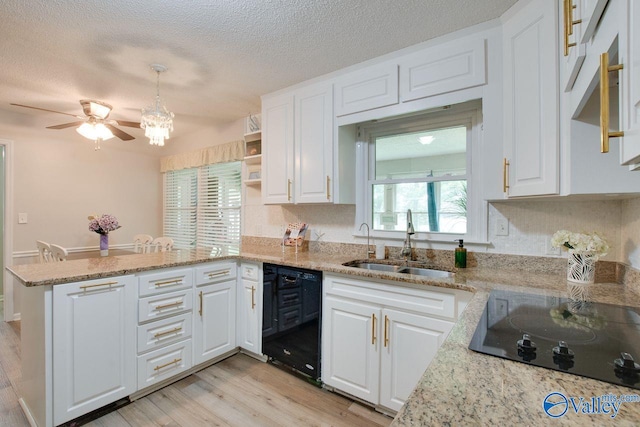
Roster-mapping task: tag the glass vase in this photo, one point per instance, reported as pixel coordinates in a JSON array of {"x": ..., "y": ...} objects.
[
  {"x": 581, "y": 266},
  {"x": 104, "y": 244}
]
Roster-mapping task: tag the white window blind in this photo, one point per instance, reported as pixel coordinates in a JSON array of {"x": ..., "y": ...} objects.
[{"x": 202, "y": 207}]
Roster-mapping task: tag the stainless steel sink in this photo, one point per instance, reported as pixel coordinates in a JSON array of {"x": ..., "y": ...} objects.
[
  {"x": 374, "y": 266},
  {"x": 428, "y": 272}
]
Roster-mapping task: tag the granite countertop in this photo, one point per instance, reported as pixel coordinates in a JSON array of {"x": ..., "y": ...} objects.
[{"x": 460, "y": 387}]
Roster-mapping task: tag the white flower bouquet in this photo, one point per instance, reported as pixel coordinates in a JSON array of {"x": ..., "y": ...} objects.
[{"x": 580, "y": 242}]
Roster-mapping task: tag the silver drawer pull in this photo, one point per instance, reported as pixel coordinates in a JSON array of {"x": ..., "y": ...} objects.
[
  {"x": 219, "y": 273},
  {"x": 157, "y": 368},
  {"x": 109, "y": 284},
  {"x": 169, "y": 282},
  {"x": 173, "y": 304},
  {"x": 172, "y": 331}
]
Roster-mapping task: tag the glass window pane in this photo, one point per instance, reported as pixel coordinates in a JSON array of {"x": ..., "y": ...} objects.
[
  {"x": 435, "y": 206},
  {"x": 437, "y": 152}
]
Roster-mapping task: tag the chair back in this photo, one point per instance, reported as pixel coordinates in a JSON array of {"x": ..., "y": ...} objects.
[
  {"x": 58, "y": 253},
  {"x": 162, "y": 244},
  {"x": 44, "y": 251},
  {"x": 141, "y": 243}
]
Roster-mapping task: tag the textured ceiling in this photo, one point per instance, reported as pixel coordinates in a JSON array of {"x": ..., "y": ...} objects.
[{"x": 222, "y": 55}]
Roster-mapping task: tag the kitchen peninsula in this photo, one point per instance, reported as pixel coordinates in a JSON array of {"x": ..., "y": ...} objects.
[{"x": 460, "y": 387}]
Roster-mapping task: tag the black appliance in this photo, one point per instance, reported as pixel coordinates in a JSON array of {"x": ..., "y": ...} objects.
[
  {"x": 291, "y": 318},
  {"x": 594, "y": 340}
]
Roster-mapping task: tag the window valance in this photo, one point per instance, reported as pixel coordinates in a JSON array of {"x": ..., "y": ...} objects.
[{"x": 223, "y": 153}]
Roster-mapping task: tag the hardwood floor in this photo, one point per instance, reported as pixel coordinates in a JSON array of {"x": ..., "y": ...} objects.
[{"x": 239, "y": 391}]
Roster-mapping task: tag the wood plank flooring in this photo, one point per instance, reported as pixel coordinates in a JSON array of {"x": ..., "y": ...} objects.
[{"x": 239, "y": 391}]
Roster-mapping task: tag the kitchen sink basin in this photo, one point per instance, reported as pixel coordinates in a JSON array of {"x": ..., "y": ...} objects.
[{"x": 418, "y": 271}]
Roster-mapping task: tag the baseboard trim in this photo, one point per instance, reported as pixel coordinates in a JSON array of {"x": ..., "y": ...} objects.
[{"x": 27, "y": 413}]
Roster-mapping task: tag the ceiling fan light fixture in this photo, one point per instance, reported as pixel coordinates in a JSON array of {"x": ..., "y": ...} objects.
[
  {"x": 94, "y": 131},
  {"x": 157, "y": 120}
]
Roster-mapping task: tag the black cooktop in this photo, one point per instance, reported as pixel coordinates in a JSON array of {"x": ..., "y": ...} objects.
[{"x": 594, "y": 340}]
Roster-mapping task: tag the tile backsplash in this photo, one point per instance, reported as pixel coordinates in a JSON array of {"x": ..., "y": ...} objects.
[{"x": 531, "y": 223}]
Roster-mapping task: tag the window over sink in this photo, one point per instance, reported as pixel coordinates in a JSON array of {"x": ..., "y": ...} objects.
[{"x": 424, "y": 163}]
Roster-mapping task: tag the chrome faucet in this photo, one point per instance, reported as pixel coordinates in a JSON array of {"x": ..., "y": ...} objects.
[
  {"x": 369, "y": 251},
  {"x": 406, "y": 249}
]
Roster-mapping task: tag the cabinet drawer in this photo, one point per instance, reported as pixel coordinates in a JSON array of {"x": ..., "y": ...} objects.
[
  {"x": 213, "y": 273},
  {"x": 163, "y": 305},
  {"x": 431, "y": 300},
  {"x": 250, "y": 272},
  {"x": 164, "y": 363},
  {"x": 164, "y": 281},
  {"x": 157, "y": 334}
]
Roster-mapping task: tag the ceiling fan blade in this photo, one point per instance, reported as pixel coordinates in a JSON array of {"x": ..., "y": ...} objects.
[
  {"x": 120, "y": 134},
  {"x": 65, "y": 125},
  {"x": 44, "y": 109},
  {"x": 130, "y": 124}
]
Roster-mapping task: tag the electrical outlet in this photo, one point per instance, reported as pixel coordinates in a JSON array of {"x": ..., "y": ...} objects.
[
  {"x": 550, "y": 249},
  {"x": 22, "y": 218},
  {"x": 502, "y": 227}
]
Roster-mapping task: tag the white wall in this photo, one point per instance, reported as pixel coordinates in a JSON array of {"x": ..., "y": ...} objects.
[{"x": 59, "y": 182}]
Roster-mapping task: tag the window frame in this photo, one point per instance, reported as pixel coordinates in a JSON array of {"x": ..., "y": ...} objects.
[{"x": 468, "y": 114}]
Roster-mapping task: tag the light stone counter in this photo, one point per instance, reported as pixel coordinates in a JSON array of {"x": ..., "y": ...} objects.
[{"x": 460, "y": 387}]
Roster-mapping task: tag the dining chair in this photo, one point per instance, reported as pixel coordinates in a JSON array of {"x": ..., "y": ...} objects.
[
  {"x": 162, "y": 244},
  {"x": 58, "y": 253},
  {"x": 141, "y": 243},
  {"x": 44, "y": 251}
]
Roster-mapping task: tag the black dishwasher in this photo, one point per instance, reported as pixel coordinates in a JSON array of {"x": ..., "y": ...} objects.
[{"x": 291, "y": 318}]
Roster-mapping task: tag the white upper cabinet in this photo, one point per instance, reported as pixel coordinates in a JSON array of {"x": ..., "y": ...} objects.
[
  {"x": 277, "y": 157},
  {"x": 313, "y": 144},
  {"x": 573, "y": 49},
  {"x": 298, "y": 146},
  {"x": 629, "y": 56},
  {"x": 531, "y": 125},
  {"x": 373, "y": 87},
  {"x": 451, "y": 66}
]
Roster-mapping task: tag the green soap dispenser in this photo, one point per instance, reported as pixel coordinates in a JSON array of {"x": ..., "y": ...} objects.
[{"x": 461, "y": 255}]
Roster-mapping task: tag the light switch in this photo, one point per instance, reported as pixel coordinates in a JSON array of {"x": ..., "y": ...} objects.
[{"x": 22, "y": 218}]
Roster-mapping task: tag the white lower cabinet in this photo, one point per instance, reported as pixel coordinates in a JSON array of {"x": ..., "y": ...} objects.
[
  {"x": 351, "y": 351},
  {"x": 94, "y": 340},
  {"x": 214, "y": 324},
  {"x": 378, "y": 339},
  {"x": 249, "y": 314},
  {"x": 409, "y": 343}
]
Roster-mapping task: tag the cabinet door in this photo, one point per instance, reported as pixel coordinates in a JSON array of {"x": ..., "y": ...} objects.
[
  {"x": 409, "y": 344},
  {"x": 214, "y": 331},
  {"x": 94, "y": 343},
  {"x": 441, "y": 69},
  {"x": 630, "y": 81},
  {"x": 249, "y": 335},
  {"x": 571, "y": 57},
  {"x": 314, "y": 144},
  {"x": 531, "y": 133},
  {"x": 350, "y": 348},
  {"x": 372, "y": 87},
  {"x": 277, "y": 150}
]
